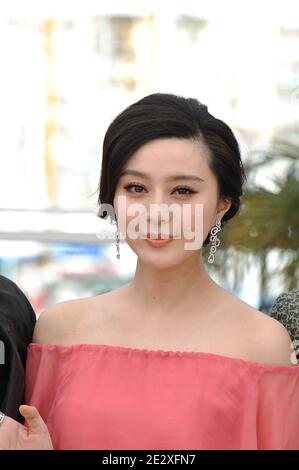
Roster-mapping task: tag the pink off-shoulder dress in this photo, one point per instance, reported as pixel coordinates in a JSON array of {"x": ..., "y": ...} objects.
[{"x": 96, "y": 396}]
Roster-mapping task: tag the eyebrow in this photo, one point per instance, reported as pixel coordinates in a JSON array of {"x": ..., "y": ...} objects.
[{"x": 170, "y": 178}]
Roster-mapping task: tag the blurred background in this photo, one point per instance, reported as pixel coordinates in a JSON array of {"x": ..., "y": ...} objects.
[{"x": 69, "y": 67}]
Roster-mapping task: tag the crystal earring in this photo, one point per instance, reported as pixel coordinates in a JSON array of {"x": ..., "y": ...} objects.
[
  {"x": 117, "y": 243},
  {"x": 215, "y": 242}
]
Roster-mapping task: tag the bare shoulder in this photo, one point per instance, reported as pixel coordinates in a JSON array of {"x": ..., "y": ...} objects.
[
  {"x": 269, "y": 341},
  {"x": 272, "y": 342},
  {"x": 76, "y": 321},
  {"x": 56, "y": 324}
]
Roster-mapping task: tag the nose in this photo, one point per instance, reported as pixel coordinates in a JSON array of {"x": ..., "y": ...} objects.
[
  {"x": 158, "y": 209},
  {"x": 157, "y": 197}
]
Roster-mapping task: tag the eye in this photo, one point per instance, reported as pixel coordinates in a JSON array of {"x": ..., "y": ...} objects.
[
  {"x": 139, "y": 188},
  {"x": 133, "y": 185},
  {"x": 183, "y": 188}
]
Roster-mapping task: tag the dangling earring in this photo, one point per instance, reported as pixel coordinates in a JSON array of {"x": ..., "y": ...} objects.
[
  {"x": 117, "y": 242},
  {"x": 117, "y": 233},
  {"x": 215, "y": 242}
]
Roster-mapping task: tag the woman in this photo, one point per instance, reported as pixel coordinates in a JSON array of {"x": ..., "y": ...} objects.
[
  {"x": 170, "y": 360},
  {"x": 17, "y": 320}
]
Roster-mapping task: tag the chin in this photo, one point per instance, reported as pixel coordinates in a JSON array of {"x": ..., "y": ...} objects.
[
  {"x": 159, "y": 258},
  {"x": 159, "y": 264}
]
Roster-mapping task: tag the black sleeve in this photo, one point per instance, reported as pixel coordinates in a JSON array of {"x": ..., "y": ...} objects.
[{"x": 17, "y": 321}]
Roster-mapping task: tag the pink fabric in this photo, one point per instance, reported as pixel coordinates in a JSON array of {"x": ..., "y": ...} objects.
[{"x": 113, "y": 397}]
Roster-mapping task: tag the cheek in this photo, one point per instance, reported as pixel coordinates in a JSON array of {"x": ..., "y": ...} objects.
[
  {"x": 121, "y": 203},
  {"x": 128, "y": 217},
  {"x": 195, "y": 215},
  {"x": 198, "y": 217}
]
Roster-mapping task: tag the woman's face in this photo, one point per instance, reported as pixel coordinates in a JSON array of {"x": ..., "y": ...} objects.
[{"x": 154, "y": 175}]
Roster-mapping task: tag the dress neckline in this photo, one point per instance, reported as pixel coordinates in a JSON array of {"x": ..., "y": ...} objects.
[{"x": 165, "y": 353}]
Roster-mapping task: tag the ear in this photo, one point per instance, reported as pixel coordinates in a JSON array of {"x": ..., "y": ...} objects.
[{"x": 223, "y": 207}]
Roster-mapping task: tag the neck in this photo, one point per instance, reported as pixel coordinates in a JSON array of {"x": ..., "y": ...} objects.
[{"x": 171, "y": 290}]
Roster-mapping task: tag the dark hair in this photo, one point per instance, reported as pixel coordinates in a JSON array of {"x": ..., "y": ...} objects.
[{"x": 166, "y": 115}]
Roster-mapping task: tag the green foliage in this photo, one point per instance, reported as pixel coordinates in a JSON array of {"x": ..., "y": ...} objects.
[{"x": 267, "y": 221}]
